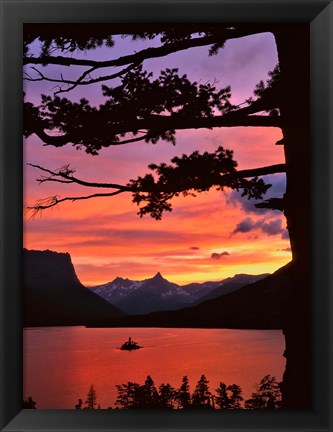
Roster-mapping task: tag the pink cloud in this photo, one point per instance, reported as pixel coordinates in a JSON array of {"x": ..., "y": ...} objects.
[{"x": 218, "y": 256}]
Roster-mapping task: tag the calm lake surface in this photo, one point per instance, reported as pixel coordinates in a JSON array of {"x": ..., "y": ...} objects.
[{"x": 60, "y": 363}]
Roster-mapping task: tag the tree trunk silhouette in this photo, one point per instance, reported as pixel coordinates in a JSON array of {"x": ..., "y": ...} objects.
[{"x": 293, "y": 52}]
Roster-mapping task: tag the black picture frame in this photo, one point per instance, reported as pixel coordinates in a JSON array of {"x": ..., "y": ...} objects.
[{"x": 14, "y": 13}]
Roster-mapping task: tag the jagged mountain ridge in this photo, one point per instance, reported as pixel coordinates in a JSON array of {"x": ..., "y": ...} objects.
[
  {"x": 154, "y": 294},
  {"x": 157, "y": 293},
  {"x": 54, "y": 295},
  {"x": 232, "y": 284},
  {"x": 260, "y": 305},
  {"x": 117, "y": 289},
  {"x": 144, "y": 296}
]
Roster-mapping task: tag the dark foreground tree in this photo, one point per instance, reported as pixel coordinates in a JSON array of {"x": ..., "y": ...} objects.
[
  {"x": 183, "y": 395},
  {"x": 29, "y": 403},
  {"x": 133, "y": 395},
  {"x": 267, "y": 395},
  {"x": 129, "y": 395},
  {"x": 144, "y": 109},
  {"x": 167, "y": 395},
  {"x": 150, "y": 394},
  {"x": 228, "y": 397},
  {"x": 91, "y": 400},
  {"x": 202, "y": 397},
  {"x": 79, "y": 404}
]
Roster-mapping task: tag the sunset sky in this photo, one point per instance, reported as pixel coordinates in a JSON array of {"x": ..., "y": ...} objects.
[{"x": 210, "y": 237}]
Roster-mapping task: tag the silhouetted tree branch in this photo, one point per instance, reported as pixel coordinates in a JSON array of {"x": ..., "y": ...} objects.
[
  {"x": 67, "y": 173},
  {"x": 138, "y": 57},
  {"x": 159, "y": 107},
  {"x": 172, "y": 44},
  {"x": 80, "y": 80},
  {"x": 161, "y": 124},
  {"x": 202, "y": 172},
  {"x": 46, "y": 203}
]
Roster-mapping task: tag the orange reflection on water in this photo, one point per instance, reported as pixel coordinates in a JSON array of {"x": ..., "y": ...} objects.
[{"x": 61, "y": 363}]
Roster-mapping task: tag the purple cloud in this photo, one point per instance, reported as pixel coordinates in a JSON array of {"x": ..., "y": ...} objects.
[
  {"x": 278, "y": 188},
  {"x": 285, "y": 234},
  {"x": 272, "y": 227},
  {"x": 217, "y": 256},
  {"x": 245, "y": 226}
]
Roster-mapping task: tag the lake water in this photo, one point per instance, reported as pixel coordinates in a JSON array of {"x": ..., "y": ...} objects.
[{"x": 60, "y": 363}]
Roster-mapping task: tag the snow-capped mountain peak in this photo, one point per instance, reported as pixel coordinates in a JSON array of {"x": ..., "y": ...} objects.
[
  {"x": 157, "y": 293},
  {"x": 117, "y": 289}
]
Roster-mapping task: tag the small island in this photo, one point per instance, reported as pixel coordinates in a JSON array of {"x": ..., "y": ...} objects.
[{"x": 130, "y": 345}]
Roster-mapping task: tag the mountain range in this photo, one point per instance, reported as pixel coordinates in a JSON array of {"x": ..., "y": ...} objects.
[
  {"x": 54, "y": 296},
  {"x": 260, "y": 305},
  {"x": 157, "y": 293}
]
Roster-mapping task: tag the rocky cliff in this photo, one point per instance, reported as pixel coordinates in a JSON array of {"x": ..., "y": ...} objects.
[{"x": 53, "y": 294}]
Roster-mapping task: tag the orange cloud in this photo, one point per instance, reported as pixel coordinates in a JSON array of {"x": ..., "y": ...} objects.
[{"x": 108, "y": 243}]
